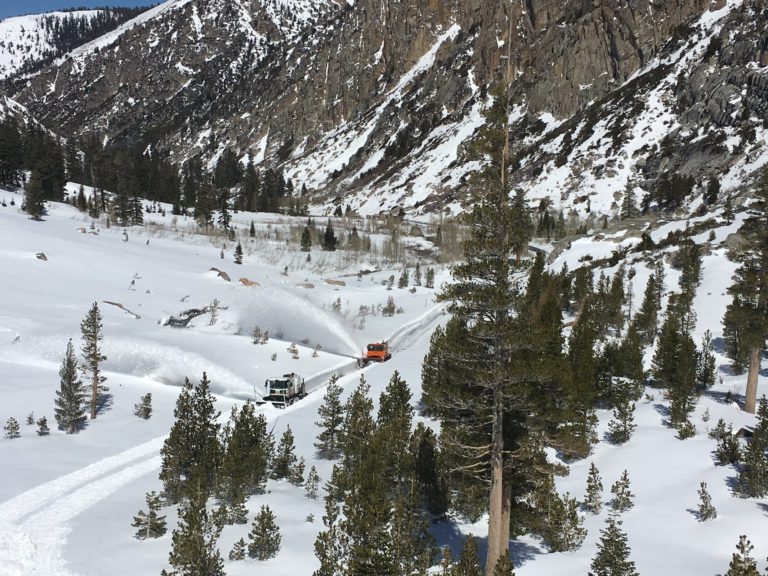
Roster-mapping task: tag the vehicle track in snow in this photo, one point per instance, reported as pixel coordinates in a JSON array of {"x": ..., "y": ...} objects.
[{"x": 34, "y": 525}]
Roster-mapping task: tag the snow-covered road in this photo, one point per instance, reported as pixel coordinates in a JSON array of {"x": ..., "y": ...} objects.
[{"x": 34, "y": 525}]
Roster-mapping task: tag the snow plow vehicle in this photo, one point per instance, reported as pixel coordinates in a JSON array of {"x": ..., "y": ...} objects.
[
  {"x": 376, "y": 352},
  {"x": 282, "y": 392}
]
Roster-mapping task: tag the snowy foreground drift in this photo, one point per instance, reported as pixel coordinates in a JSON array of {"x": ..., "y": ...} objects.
[{"x": 66, "y": 502}]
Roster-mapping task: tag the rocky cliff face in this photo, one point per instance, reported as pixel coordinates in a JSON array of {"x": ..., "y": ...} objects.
[{"x": 370, "y": 103}]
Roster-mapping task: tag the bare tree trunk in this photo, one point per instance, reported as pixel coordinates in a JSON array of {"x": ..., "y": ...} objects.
[
  {"x": 750, "y": 397},
  {"x": 506, "y": 512},
  {"x": 94, "y": 397},
  {"x": 496, "y": 505}
]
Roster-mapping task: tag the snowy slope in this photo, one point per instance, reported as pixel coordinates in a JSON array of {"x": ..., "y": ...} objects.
[
  {"x": 26, "y": 39},
  {"x": 71, "y": 495}
]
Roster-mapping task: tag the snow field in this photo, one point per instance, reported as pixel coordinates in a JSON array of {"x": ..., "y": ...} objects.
[{"x": 45, "y": 527}]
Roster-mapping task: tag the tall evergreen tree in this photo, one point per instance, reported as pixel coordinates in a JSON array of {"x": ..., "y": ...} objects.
[
  {"x": 306, "y": 240},
  {"x": 495, "y": 399},
  {"x": 247, "y": 453},
  {"x": 34, "y": 198},
  {"x": 191, "y": 453},
  {"x": 331, "y": 545},
  {"x": 647, "y": 317},
  {"x": 91, "y": 329},
  {"x": 593, "y": 499},
  {"x": 285, "y": 457},
  {"x": 194, "y": 542},
  {"x": 331, "y": 414},
  {"x": 746, "y": 317},
  {"x": 238, "y": 254},
  {"x": 329, "y": 238},
  {"x": 753, "y": 469},
  {"x": 69, "y": 405}
]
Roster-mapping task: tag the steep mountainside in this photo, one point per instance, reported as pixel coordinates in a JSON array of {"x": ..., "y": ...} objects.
[{"x": 370, "y": 103}]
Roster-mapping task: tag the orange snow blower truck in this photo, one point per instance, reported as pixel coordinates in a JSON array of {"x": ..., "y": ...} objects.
[{"x": 376, "y": 352}]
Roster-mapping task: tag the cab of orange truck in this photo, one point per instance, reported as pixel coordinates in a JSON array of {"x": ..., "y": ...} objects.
[{"x": 377, "y": 352}]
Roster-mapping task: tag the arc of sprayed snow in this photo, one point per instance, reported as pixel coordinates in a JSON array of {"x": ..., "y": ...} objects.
[
  {"x": 25, "y": 504},
  {"x": 35, "y": 546}
]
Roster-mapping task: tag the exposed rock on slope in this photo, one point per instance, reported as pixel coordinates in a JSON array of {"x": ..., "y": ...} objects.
[{"x": 369, "y": 103}]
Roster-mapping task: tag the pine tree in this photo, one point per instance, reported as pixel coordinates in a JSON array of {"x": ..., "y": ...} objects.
[
  {"x": 742, "y": 563},
  {"x": 504, "y": 566},
  {"x": 331, "y": 414},
  {"x": 144, "y": 408},
  {"x": 468, "y": 564},
  {"x": 329, "y": 238},
  {"x": 752, "y": 481},
  {"x": 42, "y": 427},
  {"x": 427, "y": 468},
  {"x": 265, "y": 536},
  {"x": 149, "y": 524},
  {"x": 285, "y": 458},
  {"x": 746, "y": 319},
  {"x": 404, "y": 279},
  {"x": 622, "y": 496},
  {"x": 237, "y": 513},
  {"x": 629, "y": 206},
  {"x": 706, "y": 508},
  {"x": 612, "y": 558},
  {"x": 306, "y": 240},
  {"x": 712, "y": 191},
  {"x": 646, "y": 319},
  {"x": 706, "y": 369},
  {"x": 728, "y": 450},
  {"x": 252, "y": 230},
  {"x": 91, "y": 328},
  {"x": 430, "y": 279},
  {"x": 623, "y": 424},
  {"x": 594, "y": 495},
  {"x": 248, "y": 447},
  {"x": 296, "y": 475},
  {"x": 12, "y": 429},
  {"x": 194, "y": 542},
  {"x": 70, "y": 398},
  {"x": 238, "y": 550},
  {"x": 312, "y": 484},
  {"x": 331, "y": 545},
  {"x": 238, "y": 254},
  {"x": 34, "y": 198},
  {"x": 225, "y": 218},
  {"x": 565, "y": 530},
  {"x": 417, "y": 275},
  {"x": 191, "y": 453}
]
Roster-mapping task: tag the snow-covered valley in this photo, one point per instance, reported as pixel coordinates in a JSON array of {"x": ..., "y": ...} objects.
[{"x": 66, "y": 501}]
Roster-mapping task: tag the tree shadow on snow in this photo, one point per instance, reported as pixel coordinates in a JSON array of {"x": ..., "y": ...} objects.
[
  {"x": 763, "y": 506},
  {"x": 447, "y": 535},
  {"x": 720, "y": 397},
  {"x": 104, "y": 402},
  {"x": 662, "y": 409},
  {"x": 719, "y": 345},
  {"x": 733, "y": 484}
]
